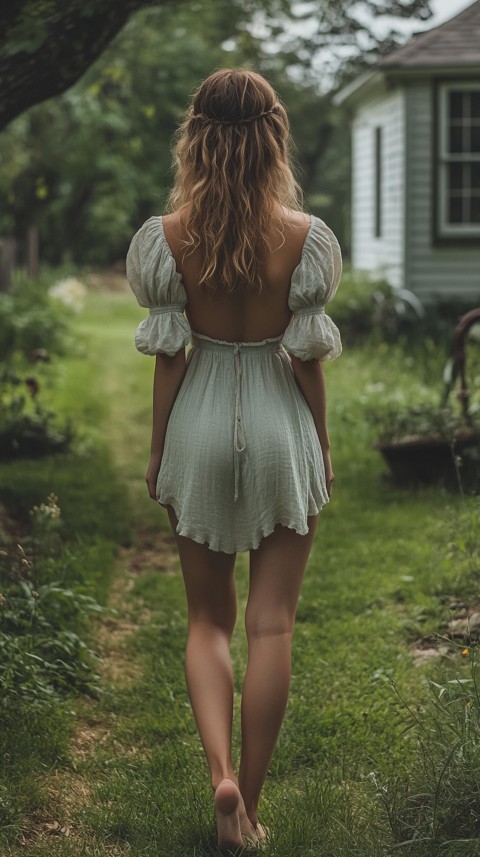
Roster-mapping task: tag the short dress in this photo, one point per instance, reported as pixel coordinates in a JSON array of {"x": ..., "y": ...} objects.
[{"x": 241, "y": 451}]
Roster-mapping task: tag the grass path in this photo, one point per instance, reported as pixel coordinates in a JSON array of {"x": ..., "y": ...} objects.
[{"x": 137, "y": 782}]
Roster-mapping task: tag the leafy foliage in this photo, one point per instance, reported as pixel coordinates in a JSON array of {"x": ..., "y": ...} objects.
[
  {"x": 44, "y": 610},
  {"x": 44, "y": 31},
  {"x": 435, "y": 805},
  {"x": 414, "y": 421},
  {"x": 31, "y": 320},
  {"x": 33, "y": 327},
  {"x": 91, "y": 164},
  {"x": 28, "y": 429}
]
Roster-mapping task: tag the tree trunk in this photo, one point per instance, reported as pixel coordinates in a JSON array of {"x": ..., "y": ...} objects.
[
  {"x": 32, "y": 251},
  {"x": 7, "y": 262}
]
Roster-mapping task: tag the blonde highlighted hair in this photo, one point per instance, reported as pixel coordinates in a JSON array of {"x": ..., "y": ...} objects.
[{"x": 232, "y": 165}]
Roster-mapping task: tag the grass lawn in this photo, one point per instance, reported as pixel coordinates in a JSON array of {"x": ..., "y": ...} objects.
[{"x": 386, "y": 567}]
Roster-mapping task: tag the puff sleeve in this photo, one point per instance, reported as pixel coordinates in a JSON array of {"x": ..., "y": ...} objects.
[
  {"x": 311, "y": 332},
  {"x": 156, "y": 284}
]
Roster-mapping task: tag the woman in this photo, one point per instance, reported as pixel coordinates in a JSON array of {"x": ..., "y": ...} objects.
[{"x": 240, "y": 453}]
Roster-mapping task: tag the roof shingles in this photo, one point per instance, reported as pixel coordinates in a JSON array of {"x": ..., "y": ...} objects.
[{"x": 454, "y": 43}]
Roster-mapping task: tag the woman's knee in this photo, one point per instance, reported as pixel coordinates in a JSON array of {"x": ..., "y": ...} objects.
[
  {"x": 208, "y": 622},
  {"x": 265, "y": 623}
]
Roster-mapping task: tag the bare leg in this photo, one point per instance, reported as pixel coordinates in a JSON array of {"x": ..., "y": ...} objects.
[
  {"x": 212, "y": 610},
  {"x": 276, "y": 573}
]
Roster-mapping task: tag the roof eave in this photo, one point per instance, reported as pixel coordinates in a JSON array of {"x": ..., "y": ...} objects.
[
  {"x": 364, "y": 83},
  {"x": 384, "y": 78}
]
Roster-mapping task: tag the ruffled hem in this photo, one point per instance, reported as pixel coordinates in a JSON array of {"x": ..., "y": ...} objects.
[
  {"x": 216, "y": 544},
  {"x": 313, "y": 335},
  {"x": 163, "y": 333}
]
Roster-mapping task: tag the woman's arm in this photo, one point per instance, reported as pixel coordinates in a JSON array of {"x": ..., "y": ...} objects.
[
  {"x": 168, "y": 377},
  {"x": 311, "y": 379}
]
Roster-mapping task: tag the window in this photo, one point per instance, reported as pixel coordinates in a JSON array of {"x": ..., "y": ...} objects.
[
  {"x": 459, "y": 159},
  {"x": 378, "y": 182}
]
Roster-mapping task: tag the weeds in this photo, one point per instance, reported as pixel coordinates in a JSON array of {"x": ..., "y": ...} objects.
[
  {"x": 435, "y": 804},
  {"x": 43, "y": 615}
]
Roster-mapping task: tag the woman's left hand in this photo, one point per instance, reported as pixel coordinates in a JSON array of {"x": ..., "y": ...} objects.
[
  {"x": 329, "y": 474},
  {"x": 151, "y": 476}
]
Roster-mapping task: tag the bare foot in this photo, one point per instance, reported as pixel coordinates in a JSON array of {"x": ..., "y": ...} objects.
[
  {"x": 246, "y": 826},
  {"x": 262, "y": 834},
  {"x": 262, "y": 831},
  {"x": 227, "y": 801}
]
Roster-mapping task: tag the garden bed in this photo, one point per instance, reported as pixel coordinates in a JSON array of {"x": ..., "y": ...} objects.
[{"x": 435, "y": 457}]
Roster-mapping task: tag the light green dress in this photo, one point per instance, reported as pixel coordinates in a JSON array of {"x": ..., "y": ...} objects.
[{"x": 241, "y": 451}]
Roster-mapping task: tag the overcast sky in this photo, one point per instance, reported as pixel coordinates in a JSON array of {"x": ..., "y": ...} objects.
[
  {"x": 442, "y": 10},
  {"x": 326, "y": 60}
]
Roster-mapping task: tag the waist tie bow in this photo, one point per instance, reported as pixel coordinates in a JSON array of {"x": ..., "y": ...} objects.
[{"x": 239, "y": 436}]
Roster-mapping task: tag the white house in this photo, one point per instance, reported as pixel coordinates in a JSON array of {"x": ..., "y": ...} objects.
[{"x": 416, "y": 163}]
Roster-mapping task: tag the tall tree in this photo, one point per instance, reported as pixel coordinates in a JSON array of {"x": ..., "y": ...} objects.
[
  {"x": 47, "y": 45},
  {"x": 90, "y": 164}
]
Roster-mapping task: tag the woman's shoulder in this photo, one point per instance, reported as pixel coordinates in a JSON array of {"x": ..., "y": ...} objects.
[{"x": 296, "y": 218}]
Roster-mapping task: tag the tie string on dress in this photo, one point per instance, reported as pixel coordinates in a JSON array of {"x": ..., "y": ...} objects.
[
  {"x": 238, "y": 435},
  {"x": 270, "y": 344}
]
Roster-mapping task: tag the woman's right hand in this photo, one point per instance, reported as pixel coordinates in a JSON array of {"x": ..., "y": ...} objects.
[
  {"x": 329, "y": 474},
  {"x": 151, "y": 475}
]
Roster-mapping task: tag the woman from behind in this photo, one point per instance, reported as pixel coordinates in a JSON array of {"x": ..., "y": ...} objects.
[{"x": 240, "y": 452}]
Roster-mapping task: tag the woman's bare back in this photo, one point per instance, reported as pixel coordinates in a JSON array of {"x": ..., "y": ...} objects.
[{"x": 243, "y": 316}]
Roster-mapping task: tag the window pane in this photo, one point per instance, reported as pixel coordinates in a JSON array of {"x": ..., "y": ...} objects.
[
  {"x": 455, "y": 104},
  {"x": 475, "y": 104},
  {"x": 476, "y": 175},
  {"x": 475, "y": 209},
  {"x": 456, "y": 139},
  {"x": 455, "y": 209},
  {"x": 475, "y": 138},
  {"x": 455, "y": 176}
]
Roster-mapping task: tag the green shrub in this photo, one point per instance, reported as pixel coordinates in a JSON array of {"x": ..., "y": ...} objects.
[
  {"x": 44, "y": 614},
  {"x": 367, "y": 306},
  {"x": 33, "y": 327},
  {"x": 30, "y": 319},
  {"x": 28, "y": 430},
  {"x": 354, "y": 306},
  {"x": 394, "y": 423}
]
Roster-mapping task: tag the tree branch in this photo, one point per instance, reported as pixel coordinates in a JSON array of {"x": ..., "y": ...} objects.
[{"x": 45, "y": 47}]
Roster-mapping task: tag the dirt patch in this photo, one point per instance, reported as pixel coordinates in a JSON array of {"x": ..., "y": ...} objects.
[
  {"x": 71, "y": 788},
  {"x": 427, "y": 648},
  {"x": 459, "y": 632},
  {"x": 151, "y": 550}
]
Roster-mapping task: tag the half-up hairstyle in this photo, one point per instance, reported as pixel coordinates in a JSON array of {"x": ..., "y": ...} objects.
[{"x": 232, "y": 165}]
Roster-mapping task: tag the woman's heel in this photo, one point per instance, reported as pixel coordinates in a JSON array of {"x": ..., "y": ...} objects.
[{"x": 227, "y": 798}]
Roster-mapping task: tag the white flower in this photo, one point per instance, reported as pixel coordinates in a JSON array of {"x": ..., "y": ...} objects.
[{"x": 70, "y": 291}]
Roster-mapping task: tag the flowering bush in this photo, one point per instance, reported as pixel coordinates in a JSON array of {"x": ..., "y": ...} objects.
[{"x": 70, "y": 291}]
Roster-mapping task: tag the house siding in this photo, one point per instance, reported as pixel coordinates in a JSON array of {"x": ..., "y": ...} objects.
[
  {"x": 381, "y": 255},
  {"x": 433, "y": 272}
]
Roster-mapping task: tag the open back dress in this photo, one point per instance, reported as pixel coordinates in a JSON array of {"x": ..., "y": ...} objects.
[{"x": 241, "y": 451}]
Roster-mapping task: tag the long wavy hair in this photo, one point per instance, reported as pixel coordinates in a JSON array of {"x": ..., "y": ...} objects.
[{"x": 232, "y": 163}]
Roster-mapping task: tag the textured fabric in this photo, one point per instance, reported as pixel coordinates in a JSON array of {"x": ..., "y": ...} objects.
[
  {"x": 241, "y": 450},
  {"x": 311, "y": 332},
  {"x": 153, "y": 277}
]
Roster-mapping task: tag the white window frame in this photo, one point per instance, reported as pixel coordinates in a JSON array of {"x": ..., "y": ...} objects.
[{"x": 446, "y": 229}]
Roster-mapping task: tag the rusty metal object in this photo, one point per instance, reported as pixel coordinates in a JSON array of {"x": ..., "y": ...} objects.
[{"x": 459, "y": 357}]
